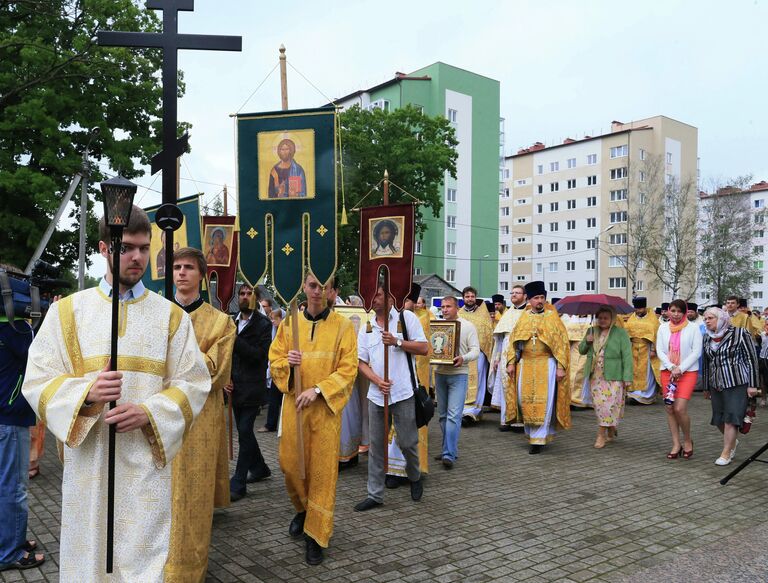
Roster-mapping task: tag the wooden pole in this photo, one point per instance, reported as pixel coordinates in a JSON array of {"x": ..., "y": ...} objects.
[
  {"x": 283, "y": 78},
  {"x": 386, "y": 348},
  {"x": 231, "y": 423},
  {"x": 226, "y": 214}
]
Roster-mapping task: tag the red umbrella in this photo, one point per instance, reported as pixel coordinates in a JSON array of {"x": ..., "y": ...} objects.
[{"x": 584, "y": 304}]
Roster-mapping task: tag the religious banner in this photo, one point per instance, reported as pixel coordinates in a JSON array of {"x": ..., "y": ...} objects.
[
  {"x": 188, "y": 235},
  {"x": 220, "y": 247},
  {"x": 287, "y": 196},
  {"x": 386, "y": 239}
]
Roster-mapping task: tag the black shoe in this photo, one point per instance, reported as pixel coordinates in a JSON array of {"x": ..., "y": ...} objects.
[
  {"x": 391, "y": 482},
  {"x": 504, "y": 428},
  {"x": 535, "y": 448},
  {"x": 447, "y": 464},
  {"x": 517, "y": 429},
  {"x": 438, "y": 458},
  {"x": 314, "y": 552},
  {"x": 417, "y": 490},
  {"x": 366, "y": 504},
  {"x": 258, "y": 477},
  {"x": 235, "y": 496},
  {"x": 297, "y": 524}
]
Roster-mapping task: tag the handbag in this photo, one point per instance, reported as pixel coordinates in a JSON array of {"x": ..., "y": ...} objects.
[{"x": 423, "y": 403}]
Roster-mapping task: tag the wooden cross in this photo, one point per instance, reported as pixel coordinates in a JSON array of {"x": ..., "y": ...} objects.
[{"x": 170, "y": 41}]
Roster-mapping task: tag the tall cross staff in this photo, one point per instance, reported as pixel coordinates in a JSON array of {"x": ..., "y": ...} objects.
[
  {"x": 385, "y": 284},
  {"x": 170, "y": 41}
]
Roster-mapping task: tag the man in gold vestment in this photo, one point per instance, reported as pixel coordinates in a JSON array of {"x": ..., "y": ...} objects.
[
  {"x": 577, "y": 327},
  {"x": 327, "y": 357},
  {"x": 200, "y": 475},
  {"x": 741, "y": 317},
  {"x": 475, "y": 311},
  {"x": 642, "y": 328},
  {"x": 539, "y": 359}
]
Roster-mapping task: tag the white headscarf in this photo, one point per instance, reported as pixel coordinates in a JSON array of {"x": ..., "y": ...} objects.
[{"x": 723, "y": 324}]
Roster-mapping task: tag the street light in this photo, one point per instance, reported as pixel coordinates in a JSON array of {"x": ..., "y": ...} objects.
[
  {"x": 118, "y": 203},
  {"x": 597, "y": 257}
]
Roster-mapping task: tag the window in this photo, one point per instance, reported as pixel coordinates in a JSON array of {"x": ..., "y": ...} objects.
[
  {"x": 618, "y": 173},
  {"x": 554, "y": 166},
  {"x": 540, "y": 169},
  {"x": 539, "y": 247},
  {"x": 539, "y": 228},
  {"x": 521, "y": 259},
  {"x": 592, "y": 159},
  {"x": 552, "y": 266},
  {"x": 591, "y": 223},
  {"x": 553, "y": 247},
  {"x": 504, "y": 230},
  {"x": 617, "y": 239},
  {"x": 642, "y": 154},
  {"x": 553, "y": 286},
  {"x": 552, "y": 227},
  {"x": 617, "y": 195},
  {"x": 417, "y": 250},
  {"x": 450, "y": 275},
  {"x": 554, "y": 206},
  {"x": 571, "y": 162},
  {"x": 757, "y": 295},
  {"x": 642, "y": 176},
  {"x": 619, "y": 217},
  {"x": 570, "y": 225},
  {"x": 670, "y": 179},
  {"x": 570, "y": 286},
  {"x": 643, "y": 198},
  {"x": 759, "y": 203},
  {"x": 450, "y": 248},
  {"x": 504, "y": 248},
  {"x": 590, "y": 263},
  {"x": 450, "y": 194},
  {"x": 617, "y": 261},
  {"x": 619, "y": 151},
  {"x": 669, "y": 157},
  {"x": 570, "y": 266},
  {"x": 758, "y": 280},
  {"x": 591, "y": 201},
  {"x": 591, "y": 180},
  {"x": 759, "y": 219},
  {"x": 617, "y": 282},
  {"x": 758, "y": 264},
  {"x": 538, "y": 267},
  {"x": 570, "y": 246},
  {"x": 505, "y": 211},
  {"x": 539, "y": 208},
  {"x": 453, "y": 117},
  {"x": 503, "y": 286},
  {"x": 519, "y": 182},
  {"x": 759, "y": 234},
  {"x": 540, "y": 189},
  {"x": 571, "y": 203},
  {"x": 590, "y": 243},
  {"x": 450, "y": 221},
  {"x": 521, "y": 201},
  {"x": 522, "y": 239},
  {"x": 590, "y": 286},
  {"x": 522, "y": 220},
  {"x": 554, "y": 186},
  {"x": 417, "y": 271},
  {"x": 520, "y": 278},
  {"x": 571, "y": 183},
  {"x": 640, "y": 286},
  {"x": 757, "y": 249},
  {"x": 504, "y": 267}
]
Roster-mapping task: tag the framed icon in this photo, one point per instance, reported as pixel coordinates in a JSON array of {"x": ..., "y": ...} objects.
[
  {"x": 286, "y": 164},
  {"x": 218, "y": 242},
  {"x": 444, "y": 340},
  {"x": 355, "y": 314},
  {"x": 386, "y": 237}
]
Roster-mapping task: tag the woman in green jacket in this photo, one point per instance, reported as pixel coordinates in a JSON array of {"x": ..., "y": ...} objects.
[{"x": 609, "y": 369}]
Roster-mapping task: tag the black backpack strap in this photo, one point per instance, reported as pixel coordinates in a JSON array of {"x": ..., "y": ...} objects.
[
  {"x": 414, "y": 384},
  {"x": 7, "y": 293}
]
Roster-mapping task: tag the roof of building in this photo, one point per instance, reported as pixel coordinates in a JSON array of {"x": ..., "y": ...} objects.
[
  {"x": 397, "y": 78},
  {"x": 761, "y": 186},
  {"x": 420, "y": 279},
  {"x": 539, "y": 146}
]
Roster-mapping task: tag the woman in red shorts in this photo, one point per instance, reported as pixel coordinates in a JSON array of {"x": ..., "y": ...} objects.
[{"x": 678, "y": 346}]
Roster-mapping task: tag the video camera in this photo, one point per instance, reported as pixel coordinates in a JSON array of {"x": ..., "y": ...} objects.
[{"x": 21, "y": 293}]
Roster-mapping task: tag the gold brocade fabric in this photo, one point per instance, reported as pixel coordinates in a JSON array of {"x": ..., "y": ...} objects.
[
  {"x": 542, "y": 336},
  {"x": 200, "y": 475},
  {"x": 642, "y": 332},
  {"x": 329, "y": 361},
  {"x": 482, "y": 321},
  {"x": 422, "y": 362},
  {"x": 576, "y": 332},
  {"x": 750, "y": 323}
]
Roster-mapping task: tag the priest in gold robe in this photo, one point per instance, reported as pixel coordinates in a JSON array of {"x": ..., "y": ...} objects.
[
  {"x": 577, "y": 327},
  {"x": 201, "y": 469},
  {"x": 327, "y": 359},
  {"x": 642, "y": 328},
  {"x": 475, "y": 311},
  {"x": 539, "y": 359},
  {"x": 160, "y": 387}
]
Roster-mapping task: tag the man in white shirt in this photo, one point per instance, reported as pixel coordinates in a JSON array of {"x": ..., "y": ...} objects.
[{"x": 385, "y": 333}]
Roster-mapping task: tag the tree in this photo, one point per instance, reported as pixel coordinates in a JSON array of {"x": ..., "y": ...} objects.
[
  {"x": 417, "y": 150},
  {"x": 726, "y": 264},
  {"x": 55, "y": 85}
]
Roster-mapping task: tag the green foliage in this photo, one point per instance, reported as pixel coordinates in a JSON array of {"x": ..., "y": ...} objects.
[
  {"x": 55, "y": 85},
  {"x": 416, "y": 150}
]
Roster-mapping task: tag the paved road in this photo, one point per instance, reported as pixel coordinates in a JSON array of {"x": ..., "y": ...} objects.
[{"x": 573, "y": 513}]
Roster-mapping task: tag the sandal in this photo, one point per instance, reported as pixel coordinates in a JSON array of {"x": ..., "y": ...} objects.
[
  {"x": 30, "y": 561},
  {"x": 29, "y": 545},
  {"x": 688, "y": 454},
  {"x": 676, "y": 454},
  {"x": 34, "y": 472}
]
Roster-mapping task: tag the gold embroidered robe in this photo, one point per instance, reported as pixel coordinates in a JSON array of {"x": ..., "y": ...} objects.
[
  {"x": 164, "y": 372},
  {"x": 482, "y": 320},
  {"x": 500, "y": 378},
  {"x": 642, "y": 333},
  {"x": 329, "y": 361},
  {"x": 576, "y": 332},
  {"x": 201, "y": 468},
  {"x": 542, "y": 336}
]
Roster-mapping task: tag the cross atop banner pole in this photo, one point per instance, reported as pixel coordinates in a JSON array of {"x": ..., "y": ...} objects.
[{"x": 170, "y": 41}]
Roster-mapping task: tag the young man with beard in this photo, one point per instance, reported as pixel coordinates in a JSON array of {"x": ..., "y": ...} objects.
[
  {"x": 249, "y": 389},
  {"x": 476, "y": 312},
  {"x": 642, "y": 328}
]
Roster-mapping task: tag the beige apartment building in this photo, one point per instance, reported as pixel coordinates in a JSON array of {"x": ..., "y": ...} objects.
[{"x": 563, "y": 212}]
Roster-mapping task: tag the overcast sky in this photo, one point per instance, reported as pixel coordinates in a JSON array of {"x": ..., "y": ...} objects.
[{"x": 567, "y": 68}]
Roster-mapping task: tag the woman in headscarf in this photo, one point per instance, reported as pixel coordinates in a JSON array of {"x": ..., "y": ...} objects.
[
  {"x": 730, "y": 371},
  {"x": 609, "y": 369},
  {"x": 678, "y": 346}
]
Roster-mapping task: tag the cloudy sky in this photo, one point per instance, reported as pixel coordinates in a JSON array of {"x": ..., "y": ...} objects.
[{"x": 566, "y": 67}]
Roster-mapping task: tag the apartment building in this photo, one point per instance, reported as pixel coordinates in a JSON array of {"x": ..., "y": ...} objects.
[{"x": 563, "y": 210}]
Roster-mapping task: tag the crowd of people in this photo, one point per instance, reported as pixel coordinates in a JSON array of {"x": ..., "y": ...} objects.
[{"x": 334, "y": 392}]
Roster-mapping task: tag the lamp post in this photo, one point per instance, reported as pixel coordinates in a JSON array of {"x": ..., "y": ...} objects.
[
  {"x": 597, "y": 257},
  {"x": 118, "y": 203}
]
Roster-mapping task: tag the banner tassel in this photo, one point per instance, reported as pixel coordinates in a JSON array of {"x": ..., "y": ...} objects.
[{"x": 344, "y": 220}]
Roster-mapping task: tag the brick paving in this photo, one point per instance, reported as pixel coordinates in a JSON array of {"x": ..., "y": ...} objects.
[{"x": 573, "y": 513}]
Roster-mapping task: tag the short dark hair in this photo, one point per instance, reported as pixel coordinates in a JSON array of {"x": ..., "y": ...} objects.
[
  {"x": 520, "y": 287},
  {"x": 195, "y": 254},
  {"x": 255, "y": 289},
  {"x": 449, "y": 299},
  {"x": 469, "y": 288},
  {"x": 680, "y": 305},
  {"x": 732, "y": 297},
  {"x": 138, "y": 223}
]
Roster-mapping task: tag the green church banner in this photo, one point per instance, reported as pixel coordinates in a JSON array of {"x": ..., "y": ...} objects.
[
  {"x": 188, "y": 235},
  {"x": 287, "y": 196}
]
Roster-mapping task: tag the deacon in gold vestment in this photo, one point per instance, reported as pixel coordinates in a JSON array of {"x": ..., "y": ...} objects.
[
  {"x": 475, "y": 311},
  {"x": 539, "y": 357},
  {"x": 577, "y": 327},
  {"x": 201, "y": 469},
  {"x": 741, "y": 317},
  {"x": 327, "y": 356},
  {"x": 642, "y": 328},
  {"x": 161, "y": 386}
]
